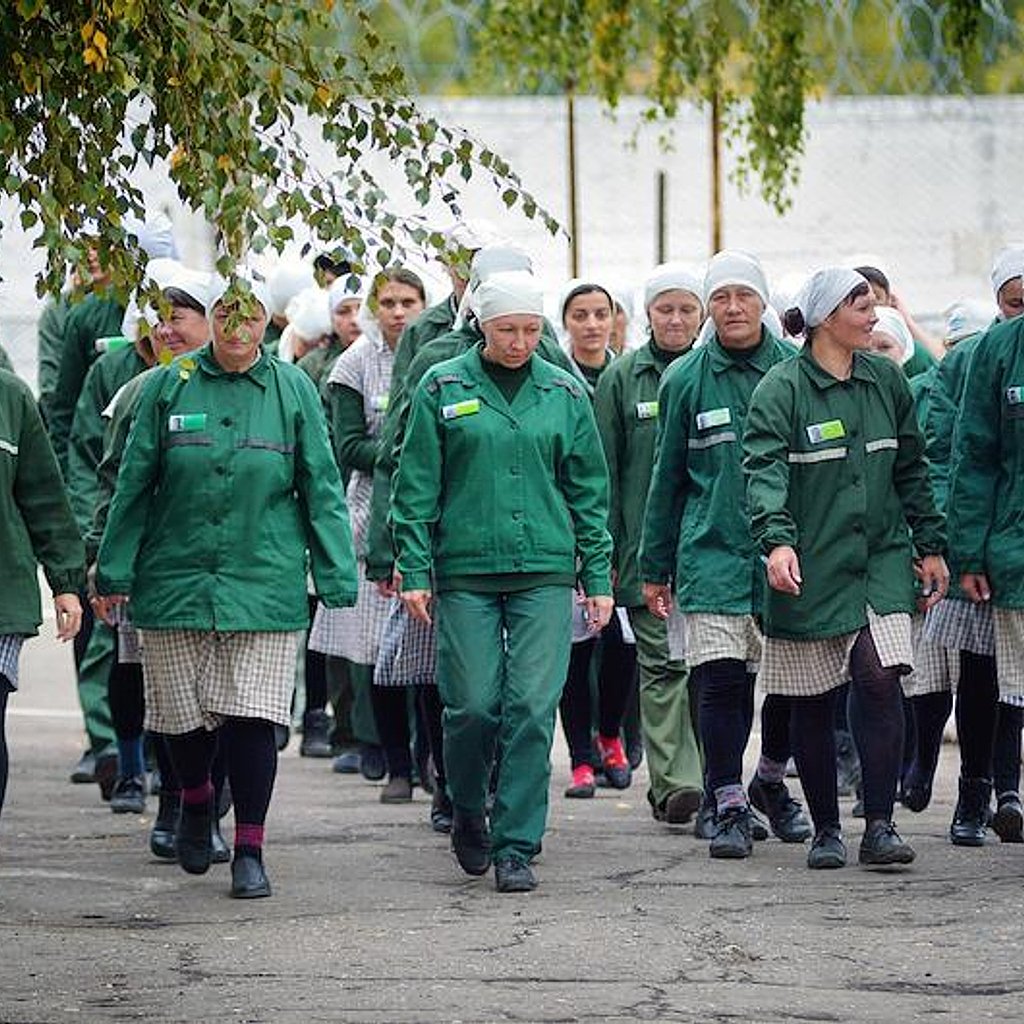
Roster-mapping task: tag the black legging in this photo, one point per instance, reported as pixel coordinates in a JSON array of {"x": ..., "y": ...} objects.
[
  {"x": 776, "y": 712},
  {"x": 977, "y": 707},
  {"x": 726, "y": 696},
  {"x": 876, "y": 721},
  {"x": 391, "y": 715},
  {"x": 1006, "y": 751},
  {"x": 315, "y": 672},
  {"x": 5, "y": 689},
  {"x": 931, "y": 710},
  {"x": 127, "y": 702},
  {"x": 431, "y": 709},
  {"x": 615, "y": 683}
]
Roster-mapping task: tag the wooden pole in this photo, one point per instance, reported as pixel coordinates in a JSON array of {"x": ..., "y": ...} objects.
[
  {"x": 716, "y": 173},
  {"x": 662, "y": 204},
  {"x": 574, "y": 234}
]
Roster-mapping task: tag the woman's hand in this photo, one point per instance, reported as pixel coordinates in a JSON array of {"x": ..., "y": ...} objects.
[
  {"x": 69, "y": 616},
  {"x": 934, "y": 577},
  {"x": 598, "y": 611},
  {"x": 417, "y": 604},
  {"x": 391, "y": 587},
  {"x": 658, "y": 599},
  {"x": 103, "y": 607},
  {"x": 784, "y": 570},
  {"x": 975, "y": 586}
]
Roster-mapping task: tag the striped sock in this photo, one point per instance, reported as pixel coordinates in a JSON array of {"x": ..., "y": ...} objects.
[
  {"x": 249, "y": 840},
  {"x": 771, "y": 771},
  {"x": 193, "y": 795}
]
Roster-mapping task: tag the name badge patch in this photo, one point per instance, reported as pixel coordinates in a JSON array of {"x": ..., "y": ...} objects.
[
  {"x": 8, "y": 446},
  {"x": 468, "y": 407},
  {"x": 1015, "y": 396},
  {"x": 379, "y": 403},
  {"x": 831, "y": 430},
  {"x": 186, "y": 423},
  {"x": 646, "y": 410},
  {"x": 713, "y": 418}
]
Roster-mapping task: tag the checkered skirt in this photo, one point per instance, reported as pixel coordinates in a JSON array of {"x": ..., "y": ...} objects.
[
  {"x": 712, "y": 637},
  {"x": 10, "y": 649},
  {"x": 1009, "y": 630},
  {"x": 352, "y": 633},
  {"x": 807, "y": 668},
  {"x": 936, "y": 668},
  {"x": 961, "y": 625},
  {"x": 129, "y": 644},
  {"x": 408, "y": 652},
  {"x": 194, "y": 679}
]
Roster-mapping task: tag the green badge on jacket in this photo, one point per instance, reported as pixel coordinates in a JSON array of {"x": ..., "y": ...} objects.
[
  {"x": 646, "y": 410},
  {"x": 1014, "y": 396},
  {"x": 186, "y": 423},
  {"x": 465, "y": 408},
  {"x": 379, "y": 403},
  {"x": 713, "y": 418},
  {"x": 831, "y": 430}
]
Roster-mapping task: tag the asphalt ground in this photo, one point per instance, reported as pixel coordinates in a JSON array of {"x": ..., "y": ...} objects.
[{"x": 372, "y": 920}]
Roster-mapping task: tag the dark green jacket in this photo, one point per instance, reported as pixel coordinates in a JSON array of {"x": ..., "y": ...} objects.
[
  {"x": 626, "y": 407},
  {"x": 36, "y": 525},
  {"x": 696, "y": 531},
  {"x": 318, "y": 363},
  {"x": 85, "y": 444},
  {"x": 51, "y": 333},
  {"x": 88, "y": 321},
  {"x": 430, "y": 324},
  {"x": 920, "y": 362},
  {"x": 226, "y": 480},
  {"x": 486, "y": 488},
  {"x": 836, "y": 470},
  {"x": 986, "y": 493},
  {"x": 380, "y": 553}
]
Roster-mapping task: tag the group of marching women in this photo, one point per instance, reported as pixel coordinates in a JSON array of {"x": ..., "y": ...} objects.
[{"x": 480, "y": 525}]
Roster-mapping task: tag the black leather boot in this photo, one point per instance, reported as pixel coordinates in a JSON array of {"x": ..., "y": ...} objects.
[{"x": 968, "y": 828}]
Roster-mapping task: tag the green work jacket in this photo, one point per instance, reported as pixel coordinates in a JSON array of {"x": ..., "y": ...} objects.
[
  {"x": 920, "y": 362},
  {"x": 88, "y": 321},
  {"x": 986, "y": 491},
  {"x": 695, "y": 529},
  {"x": 85, "y": 443},
  {"x": 318, "y": 363},
  {"x": 430, "y": 324},
  {"x": 51, "y": 333},
  {"x": 626, "y": 407},
  {"x": 226, "y": 481},
  {"x": 836, "y": 470},
  {"x": 380, "y": 550},
  {"x": 36, "y": 525},
  {"x": 485, "y": 487}
]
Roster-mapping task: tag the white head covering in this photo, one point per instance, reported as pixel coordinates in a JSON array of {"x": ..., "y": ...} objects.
[
  {"x": 967, "y": 317},
  {"x": 155, "y": 235},
  {"x": 164, "y": 273},
  {"x": 892, "y": 323},
  {"x": 285, "y": 281},
  {"x": 309, "y": 313},
  {"x": 342, "y": 291},
  {"x": 490, "y": 260},
  {"x": 1008, "y": 265},
  {"x": 824, "y": 291},
  {"x": 667, "y": 277},
  {"x": 734, "y": 268},
  {"x": 470, "y": 235},
  {"x": 258, "y": 287},
  {"x": 508, "y": 294}
]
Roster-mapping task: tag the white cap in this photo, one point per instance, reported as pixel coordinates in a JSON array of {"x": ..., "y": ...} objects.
[
  {"x": 736, "y": 269},
  {"x": 1007, "y": 266},
  {"x": 824, "y": 291},
  {"x": 309, "y": 313},
  {"x": 508, "y": 294},
  {"x": 892, "y": 323},
  {"x": 498, "y": 259},
  {"x": 343, "y": 289},
  {"x": 967, "y": 317},
  {"x": 258, "y": 287},
  {"x": 155, "y": 235},
  {"x": 285, "y": 281},
  {"x": 667, "y": 277},
  {"x": 470, "y": 234},
  {"x": 164, "y": 273}
]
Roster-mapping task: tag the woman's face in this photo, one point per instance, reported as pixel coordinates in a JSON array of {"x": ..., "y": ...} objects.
[
  {"x": 620, "y": 330},
  {"x": 183, "y": 331},
  {"x": 510, "y": 340},
  {"x": 236, "y": 339},
  {"x": 888, "y": 346},
  {"x": 344, "y": 320},
  {"x": 675, "y": 318},
  {"x": 852, "y": 323},
  {"x": 398, "y": 304},
  {"x": 588, "y": 319},
  {"x": 1011, "y": 298}
]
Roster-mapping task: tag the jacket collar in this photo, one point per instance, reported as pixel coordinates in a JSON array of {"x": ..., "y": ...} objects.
[
  {"x": 761, "y": 358},
  {"x": 862, "y": 369},
  {"x": 259, "y": 372}
]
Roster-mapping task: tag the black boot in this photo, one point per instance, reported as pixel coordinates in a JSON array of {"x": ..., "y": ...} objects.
[
  {"x": 968, "y": 828},
  {"x": 316, "y": 734},
  {"x": 163, "y": 839}
]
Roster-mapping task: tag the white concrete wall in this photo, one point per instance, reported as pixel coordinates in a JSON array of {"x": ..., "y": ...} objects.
[{"x": 929, "y": 186}]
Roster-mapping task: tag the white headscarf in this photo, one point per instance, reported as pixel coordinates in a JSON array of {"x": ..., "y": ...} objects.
[
  {"x": 734, "y": 268},
  {"x": 967, "y": 317},
  {"x": 892, "y": 323},
  {"x": 508, "y": 294},
  {"x": 285, "y": 281},
  {"x": 258, "y": 287},
  {"x": 490, "y": 260},
  {"x": 824, "y": 291},
  {"x": 667, "y": 277},
  {"x": 1009, "y": 264},
  {"x": 309, "y": 313},
  {"x": 341, "y": 291},
  {"x": 470, "y": 235},
  {"x": 164, "y": 273},
  {"x": 155, "y": 235}
]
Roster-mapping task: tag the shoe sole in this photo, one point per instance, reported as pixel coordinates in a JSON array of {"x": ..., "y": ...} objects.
[
  {"x": 870, "y": 861},
  {"x": 579, "y": 794},
  {"x": 515, "y": 888},
  {"x": 681, "y": 806},
  {"x": 964, "y": 841},
  {"x": 127, "y": 808},
  {"x": 728, "y": 853},
  {"x": 1008, "y": 824},
  {"x": 250, "y": 894}
]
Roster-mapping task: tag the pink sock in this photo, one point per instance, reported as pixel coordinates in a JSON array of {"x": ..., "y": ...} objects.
[
  {"x": 202, "y": 794},
  {"x": 249, "y": 835}
]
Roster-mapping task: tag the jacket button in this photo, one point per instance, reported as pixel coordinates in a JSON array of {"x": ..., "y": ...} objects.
[
  {"x": 219, "y": 471},
  {"x": 226, "y": 422}
]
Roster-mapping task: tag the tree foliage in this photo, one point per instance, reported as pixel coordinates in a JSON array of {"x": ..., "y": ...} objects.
[{"x": 219, "y": 89}]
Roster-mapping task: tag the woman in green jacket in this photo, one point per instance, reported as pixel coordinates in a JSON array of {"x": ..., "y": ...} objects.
[
  {"x": 36, "y": 526},
  {"x": 501, "y": 487},
  {"x": 227, "y": 482},
  {"x": 841, "y": 507}
]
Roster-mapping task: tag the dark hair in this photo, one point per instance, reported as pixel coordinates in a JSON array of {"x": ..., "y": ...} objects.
[
  {"x": 330, "y": 264},
  {"x": 793, "y": 319},
  {"x": 399, "y": 275},
  {"x": 875, "y": 276},
  {"x": 182, "y": 300},
  {"x": 587, "y": 289}
]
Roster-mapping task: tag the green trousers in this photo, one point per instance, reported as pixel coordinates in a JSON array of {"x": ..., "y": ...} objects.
[
  {"x": 673, "y": 754},
  {"x": 93, "y": 683},
  {"x": 348, "y": 689},
  {"x": 501, "y": 665}
]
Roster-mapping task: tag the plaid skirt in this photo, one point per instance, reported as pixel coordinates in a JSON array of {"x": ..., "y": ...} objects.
[
  {"x": 676, "y": 630},
  {"x": 194, "y": 679},
  {"x": 1009, "y": 630},
  {"x": 936, "y": 668},
  {"x": 408, "y": 653},
  {"x": 712, "y": 637},
  {"x": 10, "y": 649},
  {"x": 352, "y": 633},
  {"x": 129, "y": 645},
  {"x": 808, "y": 668},
  {"x": 961, "y": 625}
]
